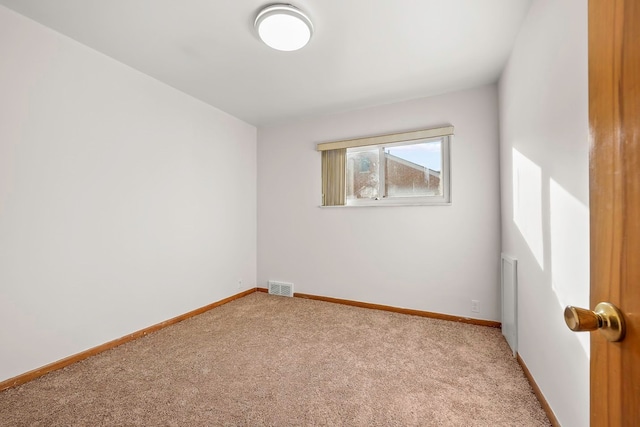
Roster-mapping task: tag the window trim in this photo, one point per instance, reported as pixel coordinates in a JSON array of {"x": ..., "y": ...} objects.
[
  {"x": 387, "y": 139},
  {"x": 397, "y": 139},
  {"x": 445, "y": 176}
]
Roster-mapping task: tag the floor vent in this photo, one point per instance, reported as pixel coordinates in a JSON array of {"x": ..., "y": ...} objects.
[{"x": 280, "y": 288}]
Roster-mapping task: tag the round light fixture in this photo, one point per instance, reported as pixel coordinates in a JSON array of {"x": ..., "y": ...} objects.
[{"x": 283, "y": 27}]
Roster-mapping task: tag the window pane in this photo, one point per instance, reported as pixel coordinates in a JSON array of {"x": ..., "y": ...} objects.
[
  {"x": 362, "y": 174},
  {"x": 413, "y": 170}
]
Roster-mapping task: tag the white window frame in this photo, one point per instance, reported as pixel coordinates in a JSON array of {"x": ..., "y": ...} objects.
[
  {"x": 445, "y": 134},
  {"x": 445, "y": 177}
]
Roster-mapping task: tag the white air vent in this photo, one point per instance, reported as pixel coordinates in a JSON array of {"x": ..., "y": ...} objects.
[
  {"x": 510, "y": 301},
  {"x": 280, "y": 288}
]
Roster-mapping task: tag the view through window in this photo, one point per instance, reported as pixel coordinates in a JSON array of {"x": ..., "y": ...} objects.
[
  {"x": 405, "y": 170},
  {"x": 411, "y": 168}
]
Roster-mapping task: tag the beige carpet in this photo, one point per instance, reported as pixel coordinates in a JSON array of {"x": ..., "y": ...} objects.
[{"x": 274, "y": 361}]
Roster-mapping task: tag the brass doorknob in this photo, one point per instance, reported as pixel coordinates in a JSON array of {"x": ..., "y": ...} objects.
[{"x": 606, "y": 318}]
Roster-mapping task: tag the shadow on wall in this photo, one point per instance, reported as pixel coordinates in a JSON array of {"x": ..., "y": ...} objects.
[{"x": 568, "y": 234}]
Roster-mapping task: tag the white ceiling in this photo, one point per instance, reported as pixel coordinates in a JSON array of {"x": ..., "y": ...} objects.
[{"x": 363, "y": 52}]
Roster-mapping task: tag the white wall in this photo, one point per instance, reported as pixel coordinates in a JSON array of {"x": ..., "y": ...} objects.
[
  {"x": 545, "y": 197},
  {"x": 123, "y": 202},
  {"x": 432, "y": 258}
]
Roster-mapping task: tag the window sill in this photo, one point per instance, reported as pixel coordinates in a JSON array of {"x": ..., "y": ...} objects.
[{"x": 376, "y": 205}]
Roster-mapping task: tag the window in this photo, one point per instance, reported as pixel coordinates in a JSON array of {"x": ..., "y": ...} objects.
[{"x": 409, "y": 168}]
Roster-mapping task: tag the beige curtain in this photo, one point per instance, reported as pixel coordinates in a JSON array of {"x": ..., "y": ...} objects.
[{"x": 334, "y": 164}]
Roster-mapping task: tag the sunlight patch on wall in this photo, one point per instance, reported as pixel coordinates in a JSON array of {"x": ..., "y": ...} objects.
[
  {"x": 527, "y": 203},
  {"x": 569, "y": 251}
]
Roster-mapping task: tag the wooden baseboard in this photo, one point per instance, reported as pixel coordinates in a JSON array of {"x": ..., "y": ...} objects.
[
  {"x": 538, "y": 393},
  {"x": 412, "y": 312},
  {"x": 31, "y": 375}
]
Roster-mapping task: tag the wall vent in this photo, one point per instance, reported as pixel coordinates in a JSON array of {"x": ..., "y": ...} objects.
[
  {"x": 509, "y": 280},
  {"x": 280, "y": 288}
]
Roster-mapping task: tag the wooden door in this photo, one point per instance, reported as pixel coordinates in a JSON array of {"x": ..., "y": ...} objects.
[{"x": 614, "y": 121}]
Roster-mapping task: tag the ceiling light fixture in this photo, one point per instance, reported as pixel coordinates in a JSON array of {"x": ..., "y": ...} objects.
[{"x": 283, "y": 27}]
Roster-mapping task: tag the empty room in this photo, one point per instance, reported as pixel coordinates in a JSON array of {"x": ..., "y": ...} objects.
[{"x": 336, "y": 213}]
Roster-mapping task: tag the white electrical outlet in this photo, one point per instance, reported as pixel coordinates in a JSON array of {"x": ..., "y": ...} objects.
[{"x": 475, "y": 306}]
